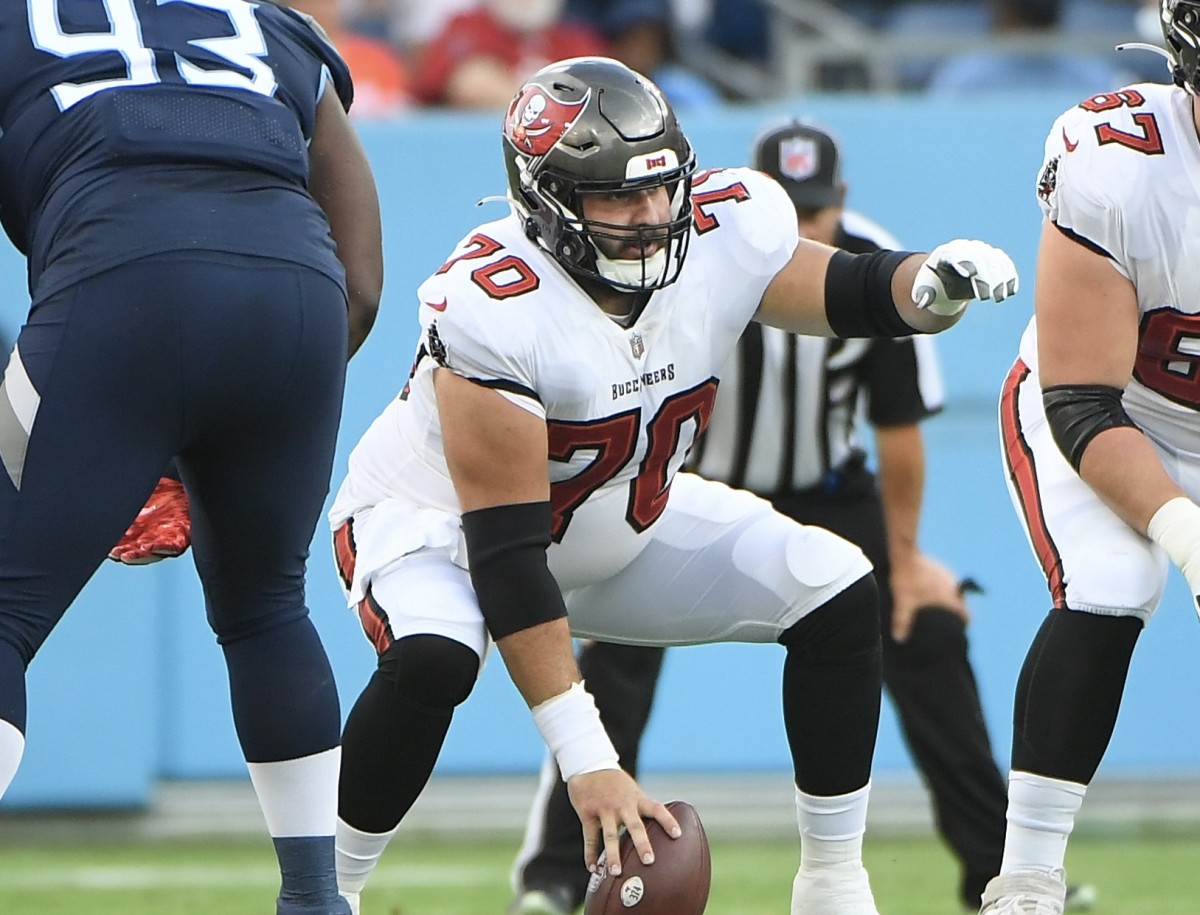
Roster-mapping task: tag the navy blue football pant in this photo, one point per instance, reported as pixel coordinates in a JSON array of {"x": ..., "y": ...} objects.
[{"x": 234, "y": 366}]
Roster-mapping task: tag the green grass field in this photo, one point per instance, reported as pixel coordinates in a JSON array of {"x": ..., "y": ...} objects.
[{"x": 1136, "y": 876}]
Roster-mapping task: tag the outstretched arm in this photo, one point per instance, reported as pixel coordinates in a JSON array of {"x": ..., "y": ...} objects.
[{"x": 827, "y": 292}]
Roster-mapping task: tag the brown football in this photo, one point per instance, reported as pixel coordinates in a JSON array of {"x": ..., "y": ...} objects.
[{"x": 677, "y": 883}]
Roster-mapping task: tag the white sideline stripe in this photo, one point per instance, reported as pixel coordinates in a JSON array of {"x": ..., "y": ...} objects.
[
  {"x": 138, "y": 877},
  {"x": 19, "y": 402},
  {"x": 22, "y": 394}
]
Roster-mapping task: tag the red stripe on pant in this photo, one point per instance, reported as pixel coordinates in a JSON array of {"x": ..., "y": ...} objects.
[
  {"x": 375, "y": 623},
  {"x": 344, "y": 552},
  {"x": 1024, "y": 476},
  {"x": 372, "y": 617}
]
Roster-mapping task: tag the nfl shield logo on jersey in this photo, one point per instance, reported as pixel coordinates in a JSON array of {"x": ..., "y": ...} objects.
[
  {"x": 636, "y": 344},
  {"x": 798, "y": 158}
]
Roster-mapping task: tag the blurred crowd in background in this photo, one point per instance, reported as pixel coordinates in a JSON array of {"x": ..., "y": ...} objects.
[{"x": 473, "y": 54}]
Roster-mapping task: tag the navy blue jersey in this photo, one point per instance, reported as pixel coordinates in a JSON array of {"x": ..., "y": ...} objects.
[{"x": 137, "y": 127}]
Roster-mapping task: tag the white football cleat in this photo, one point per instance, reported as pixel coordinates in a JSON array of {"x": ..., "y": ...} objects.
[
  {"x": 836, "y": 889},
  {"x": 1025, "y": 892}
]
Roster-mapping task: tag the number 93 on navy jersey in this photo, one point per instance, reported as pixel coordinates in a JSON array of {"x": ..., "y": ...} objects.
[{"x": 96, "y": 94}]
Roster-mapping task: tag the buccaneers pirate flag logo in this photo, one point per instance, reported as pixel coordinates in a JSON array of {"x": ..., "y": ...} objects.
[{"x": 536, "y": 121}]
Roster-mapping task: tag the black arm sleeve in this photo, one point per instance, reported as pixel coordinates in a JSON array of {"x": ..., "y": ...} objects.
[
  {"x": 506, "y": 547},
  {"x": 1077, "y": 413},
  {"x": 858, "y": 295}
]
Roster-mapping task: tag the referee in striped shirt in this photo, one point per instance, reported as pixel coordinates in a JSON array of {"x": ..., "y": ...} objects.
[{"x": 785, "y": 426}]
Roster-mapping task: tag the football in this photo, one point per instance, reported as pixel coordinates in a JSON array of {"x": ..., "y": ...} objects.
[{"x": 677, "y": 883}]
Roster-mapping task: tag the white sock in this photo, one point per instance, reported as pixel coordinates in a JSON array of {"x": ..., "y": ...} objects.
[
  {"x": 298, "y": 796},
  {"x": 831, "y": 828},
  {"x": 12, "y": 748},
  {"x": 1041, "y": 815},
  {"x": 357, "y": 854}
]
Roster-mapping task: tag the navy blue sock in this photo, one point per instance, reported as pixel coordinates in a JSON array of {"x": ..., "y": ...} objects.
[{"x": 306, "y": 866}]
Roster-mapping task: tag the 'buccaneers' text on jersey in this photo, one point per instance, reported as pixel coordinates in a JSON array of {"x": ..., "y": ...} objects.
[{"x": 622, "y": 403}]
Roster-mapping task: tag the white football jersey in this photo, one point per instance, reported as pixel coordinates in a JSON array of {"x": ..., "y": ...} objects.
[
  {"x": 622, "y": 405},
  {"x": 1122, "y": 175}
]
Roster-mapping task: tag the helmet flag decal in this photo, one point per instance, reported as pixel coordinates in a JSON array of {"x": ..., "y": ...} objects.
[{"x": 536, "y": 121}]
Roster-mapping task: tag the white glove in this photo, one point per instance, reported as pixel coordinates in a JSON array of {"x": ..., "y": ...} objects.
[{"x": 961, "y": 270}]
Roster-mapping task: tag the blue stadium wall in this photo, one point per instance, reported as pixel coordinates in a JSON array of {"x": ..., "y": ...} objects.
[{"x": 132, "y": 688}]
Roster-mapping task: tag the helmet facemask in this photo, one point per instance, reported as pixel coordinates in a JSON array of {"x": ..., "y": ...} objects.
[
  {"x": 592, "y": 126},
  {"x": 581, "y": 243},
  {"x": 1181, "y": 31}
]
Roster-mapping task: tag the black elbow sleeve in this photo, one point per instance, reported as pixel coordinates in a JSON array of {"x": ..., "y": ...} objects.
[
  {"x": 506, "y": 548},
  {"x": 1077, "y": 413},
  {"x": 858, "y": 295}
]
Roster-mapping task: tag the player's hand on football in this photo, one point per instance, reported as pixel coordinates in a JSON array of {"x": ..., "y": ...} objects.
[
  {"x": 960, "y": 271},
  {"x": 608, "y": 800},
  {"x": 162, "y": 529}
]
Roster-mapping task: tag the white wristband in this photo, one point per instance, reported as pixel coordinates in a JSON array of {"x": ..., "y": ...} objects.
[
  {"x": 570, "y": 725},
  {"x": 1176, "y": 528}
]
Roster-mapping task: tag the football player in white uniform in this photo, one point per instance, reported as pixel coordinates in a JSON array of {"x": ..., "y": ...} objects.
[
  {"x": 569, "y": 357},
  {"x": 1100, "y": 435}
]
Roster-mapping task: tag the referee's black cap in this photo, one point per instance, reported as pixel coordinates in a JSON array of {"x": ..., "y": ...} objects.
[{"x": 804, "y": 159}]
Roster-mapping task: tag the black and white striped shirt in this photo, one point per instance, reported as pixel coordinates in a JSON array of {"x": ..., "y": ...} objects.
[{"x": 787, "y": 412}]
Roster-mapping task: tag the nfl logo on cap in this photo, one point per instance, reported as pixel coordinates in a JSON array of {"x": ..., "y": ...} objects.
[
  {"x": 798, "y": 157},
  {"x": 804, "y": 159}
]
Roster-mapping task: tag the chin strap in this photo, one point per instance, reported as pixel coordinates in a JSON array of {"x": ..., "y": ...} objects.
[{"x": 641, "y": 273}]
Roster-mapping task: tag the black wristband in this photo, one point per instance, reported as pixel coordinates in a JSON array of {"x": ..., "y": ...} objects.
[
  {"x": 506, "y": 548},
  {"x": 858, "y": 295},
  {"x": 1077, "y": 413}
]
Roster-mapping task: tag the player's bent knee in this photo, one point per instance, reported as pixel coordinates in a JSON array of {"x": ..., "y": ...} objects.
[
  {"x": 431, "y": 670},
  {"x": 847, "y": 625}
]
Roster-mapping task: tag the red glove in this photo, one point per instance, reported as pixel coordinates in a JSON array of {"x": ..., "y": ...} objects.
[{"x": 161, "y": 530}]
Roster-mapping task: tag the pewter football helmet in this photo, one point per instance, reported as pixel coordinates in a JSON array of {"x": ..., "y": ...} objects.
[{"x": 590, "y": 125}]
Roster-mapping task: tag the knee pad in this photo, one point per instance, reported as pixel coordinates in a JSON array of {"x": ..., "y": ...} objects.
[
  {"x": 430, "y": 670},
  {"x": 845, "y": 626},
  {"x": 1069, "y": 693}
]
